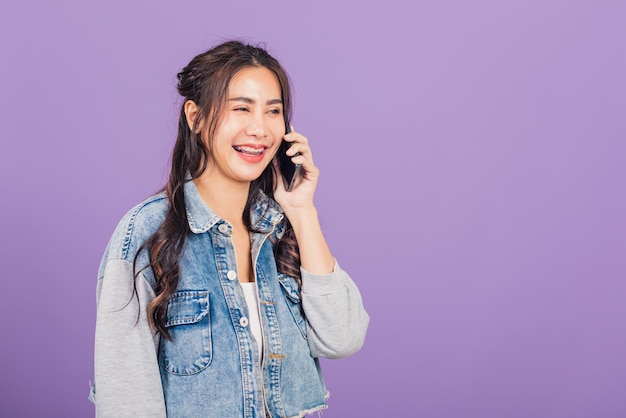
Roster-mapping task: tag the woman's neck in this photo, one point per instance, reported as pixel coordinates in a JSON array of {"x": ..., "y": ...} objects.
[{"x": 226, "y": 199}]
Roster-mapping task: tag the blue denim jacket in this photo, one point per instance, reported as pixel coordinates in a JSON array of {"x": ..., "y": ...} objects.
[{"x": 212, "y": 367}]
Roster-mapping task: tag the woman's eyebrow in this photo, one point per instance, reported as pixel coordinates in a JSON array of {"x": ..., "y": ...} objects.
[{"x": 252, "y": 101}]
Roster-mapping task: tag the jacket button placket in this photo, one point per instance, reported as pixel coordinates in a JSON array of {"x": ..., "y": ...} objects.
[{"x": 237, "y": 308}]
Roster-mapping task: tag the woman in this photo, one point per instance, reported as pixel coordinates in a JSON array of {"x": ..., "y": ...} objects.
[{"x": 217, "y": 296}]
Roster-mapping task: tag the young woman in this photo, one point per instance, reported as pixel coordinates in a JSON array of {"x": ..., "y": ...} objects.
[{"x": 217, "y": 296}]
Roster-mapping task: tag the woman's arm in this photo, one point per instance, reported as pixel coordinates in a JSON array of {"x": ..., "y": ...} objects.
[
  {"x": 336, "y": 319},
  {"x": 315, "y": 256},
  {"x": 127, "y": 377}
]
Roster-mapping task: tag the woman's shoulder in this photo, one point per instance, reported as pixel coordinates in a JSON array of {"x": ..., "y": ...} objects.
[{"x": 135, "y": 227}]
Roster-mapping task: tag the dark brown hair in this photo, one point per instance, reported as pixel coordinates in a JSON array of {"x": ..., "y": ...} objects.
[{"x": 205, "y": 81}]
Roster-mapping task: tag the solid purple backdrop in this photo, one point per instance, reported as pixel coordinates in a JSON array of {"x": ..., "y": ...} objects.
[{"x": 472, "y": 160}]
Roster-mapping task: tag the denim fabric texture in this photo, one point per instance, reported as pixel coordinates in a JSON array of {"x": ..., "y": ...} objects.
[{"x": 212, "y": 368}]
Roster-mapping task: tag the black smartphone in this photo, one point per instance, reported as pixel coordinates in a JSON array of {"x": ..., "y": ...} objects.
[{"x": 288, "y": 169}]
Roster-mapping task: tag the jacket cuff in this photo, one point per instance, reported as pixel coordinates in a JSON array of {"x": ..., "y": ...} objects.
[{"x": 323, "y": 284}]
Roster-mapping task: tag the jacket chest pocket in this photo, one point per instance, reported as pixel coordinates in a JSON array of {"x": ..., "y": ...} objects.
[
  {"x": 291, "y": 291},
  {"x": 188, "y": 322}
]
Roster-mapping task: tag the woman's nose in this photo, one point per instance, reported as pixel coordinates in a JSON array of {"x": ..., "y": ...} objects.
[{"x": 256, "y": 127}]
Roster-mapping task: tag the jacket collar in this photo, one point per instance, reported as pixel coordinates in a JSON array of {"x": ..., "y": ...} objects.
[{"x": 265, "y": 212}]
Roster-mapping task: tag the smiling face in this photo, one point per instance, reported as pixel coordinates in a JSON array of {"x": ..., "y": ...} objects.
[{"x": 250, "y": 129}]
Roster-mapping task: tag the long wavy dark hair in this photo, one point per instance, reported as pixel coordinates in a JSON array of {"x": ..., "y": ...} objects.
[{"x": 205, "y": 81}]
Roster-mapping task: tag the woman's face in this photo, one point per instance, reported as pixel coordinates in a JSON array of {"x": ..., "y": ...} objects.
[{"x": 251, "y": 127}]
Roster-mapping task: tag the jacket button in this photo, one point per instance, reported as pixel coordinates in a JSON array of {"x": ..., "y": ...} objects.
[
  {"x": 232, "y": 275},
  {"x": 243, "y": 321},
  {"x": 223, "y": 228}
]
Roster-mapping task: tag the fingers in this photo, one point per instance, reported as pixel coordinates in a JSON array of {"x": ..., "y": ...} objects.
[
  {"x": 299, "y": 145},
  {"x": 301, "y": 194}
]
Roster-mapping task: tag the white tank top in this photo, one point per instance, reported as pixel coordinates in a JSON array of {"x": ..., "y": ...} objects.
[{"x": 250, "y": 293}]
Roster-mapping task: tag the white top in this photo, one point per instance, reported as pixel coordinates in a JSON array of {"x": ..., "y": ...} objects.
[{"x": 252, "y": 300}]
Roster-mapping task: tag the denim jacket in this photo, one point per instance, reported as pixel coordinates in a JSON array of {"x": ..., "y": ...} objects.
[{"x": 212, "y": 367}]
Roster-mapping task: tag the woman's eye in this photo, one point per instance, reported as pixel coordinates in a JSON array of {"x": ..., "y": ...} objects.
[
  {"x": 241, "y": 109},
  {"x": 275, "y": 111}
]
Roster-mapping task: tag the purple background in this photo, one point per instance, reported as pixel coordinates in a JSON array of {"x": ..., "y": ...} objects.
[{"x": 472, "y": 160}]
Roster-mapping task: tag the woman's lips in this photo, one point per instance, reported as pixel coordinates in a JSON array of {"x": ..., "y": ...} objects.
[
  {"x": 249, "y": 150},
  {"x": 252, "y": 154}
]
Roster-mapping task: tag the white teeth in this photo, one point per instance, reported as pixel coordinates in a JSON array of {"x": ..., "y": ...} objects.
[{"x": 249, "y": 150}]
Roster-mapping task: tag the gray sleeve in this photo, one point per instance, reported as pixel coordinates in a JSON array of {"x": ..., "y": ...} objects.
[
  {"x": 127, "y": 377},
  {"x": 336, "y": 319}
]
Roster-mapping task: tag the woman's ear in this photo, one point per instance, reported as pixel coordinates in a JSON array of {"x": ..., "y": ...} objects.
[{"x": 191, "y": 111}]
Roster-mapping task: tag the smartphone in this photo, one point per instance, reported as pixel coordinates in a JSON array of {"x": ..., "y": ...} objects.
[{"x": 288, "y": 169}]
